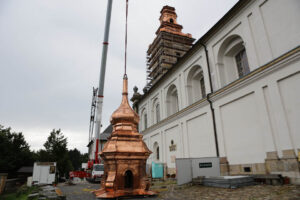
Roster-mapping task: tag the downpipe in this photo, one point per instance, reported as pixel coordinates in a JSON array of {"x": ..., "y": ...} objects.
[{"x": 210, "y": 102}]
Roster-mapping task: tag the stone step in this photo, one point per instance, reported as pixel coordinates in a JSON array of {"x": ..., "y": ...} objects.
[{"x": 229, "y": 181}]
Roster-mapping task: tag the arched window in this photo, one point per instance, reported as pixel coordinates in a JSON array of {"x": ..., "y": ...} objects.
[
  {"x": 195, "y": 84},
  {"x": 172, "y": 100},
  {"x": 242, "y": 63},
  {"x": 156, "y": 151},
  {"x": 232, "y": 60},
  {"x": 144, "y": 119},
  {"x": 156, "y": 111}
]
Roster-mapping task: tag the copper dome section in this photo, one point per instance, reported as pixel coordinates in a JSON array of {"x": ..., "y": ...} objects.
[{"x": 125, "y": 113}]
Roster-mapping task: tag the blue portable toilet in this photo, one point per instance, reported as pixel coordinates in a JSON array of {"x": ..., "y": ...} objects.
[{"x": 157, "y": 170}]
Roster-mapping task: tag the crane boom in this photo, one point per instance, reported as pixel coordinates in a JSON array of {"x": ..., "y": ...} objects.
[{"x": 99, "y": 102}]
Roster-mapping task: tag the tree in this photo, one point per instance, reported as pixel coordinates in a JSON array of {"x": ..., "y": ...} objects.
[
  {"x": 77, "y": 158},
  {"x": 84, "y": 157},
  {"x": 43, "y": 156},
  {"x": 56, "y": 151},
  {"x": 15, "y": 151},
  {"x": 56, "y": 144}
]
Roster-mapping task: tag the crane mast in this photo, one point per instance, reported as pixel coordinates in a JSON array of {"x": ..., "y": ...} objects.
[
  {"x": 93, "y": 110},
  {"x": 100, "y": 91}
]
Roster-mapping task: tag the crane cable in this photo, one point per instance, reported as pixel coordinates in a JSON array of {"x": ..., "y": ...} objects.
[{"x": 125, "y": 67}]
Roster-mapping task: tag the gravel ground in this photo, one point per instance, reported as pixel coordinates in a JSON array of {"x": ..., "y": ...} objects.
[
  {"x": 82, "y": 191},
  {"x": 169, "y": 191},
  {"x": 79, "y": 191},
  {"x": 257, "y": 192}
]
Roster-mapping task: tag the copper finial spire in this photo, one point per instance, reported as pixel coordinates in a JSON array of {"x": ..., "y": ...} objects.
[
  {"x": 125, "y": 85},
  {"x": 125, "y": 113}
]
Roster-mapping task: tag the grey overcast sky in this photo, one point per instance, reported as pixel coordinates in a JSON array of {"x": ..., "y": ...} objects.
[{"x": 50, "y": 53}]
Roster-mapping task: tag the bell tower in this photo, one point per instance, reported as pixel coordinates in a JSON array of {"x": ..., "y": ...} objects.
[{"x": 169, "y": 45}]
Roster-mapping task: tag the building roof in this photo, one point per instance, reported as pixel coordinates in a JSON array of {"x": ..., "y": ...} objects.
[
  {"x": 26, "y": 169},
  {"x": 106, "y": 133},
  {"x": 199, "y": 43}
]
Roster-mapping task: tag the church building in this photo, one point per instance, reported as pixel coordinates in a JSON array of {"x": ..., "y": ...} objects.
[{"x": 233, "y": 94}]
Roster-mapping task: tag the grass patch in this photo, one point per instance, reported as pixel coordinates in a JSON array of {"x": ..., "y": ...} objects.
[
  {"x": 14, "y": 196},
  {"x": 21, "y": 194},
  {"x": 160, "y": 183}
]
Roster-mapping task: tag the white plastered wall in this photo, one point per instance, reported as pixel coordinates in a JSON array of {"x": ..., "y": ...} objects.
[{"x": 258, "y": 116}]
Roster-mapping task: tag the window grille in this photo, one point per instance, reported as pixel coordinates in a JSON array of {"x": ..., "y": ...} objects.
[
  {"x": 242, "y": 63},
  {"x": 145, "y": 121},
  {"x": 157, "y": 109},
  {"x": 203, "y": 93}
]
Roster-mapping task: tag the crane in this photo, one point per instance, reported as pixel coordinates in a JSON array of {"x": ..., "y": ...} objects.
[{"x": 98, "y": 94}]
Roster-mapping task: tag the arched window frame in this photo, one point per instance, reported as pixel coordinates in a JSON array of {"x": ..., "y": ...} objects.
[
  {"x": 156, "y": 151},
  {"x": 228, "y": 67},
  {"x": 144, "y": 119},
  {"x": 156, "y": 111},
  {"x": 195, "y": 84},
  {"x": 172, "y": 100}
]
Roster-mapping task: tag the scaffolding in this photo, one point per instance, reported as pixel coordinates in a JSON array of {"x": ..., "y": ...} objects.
[{"x": 169, "y": 45}]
